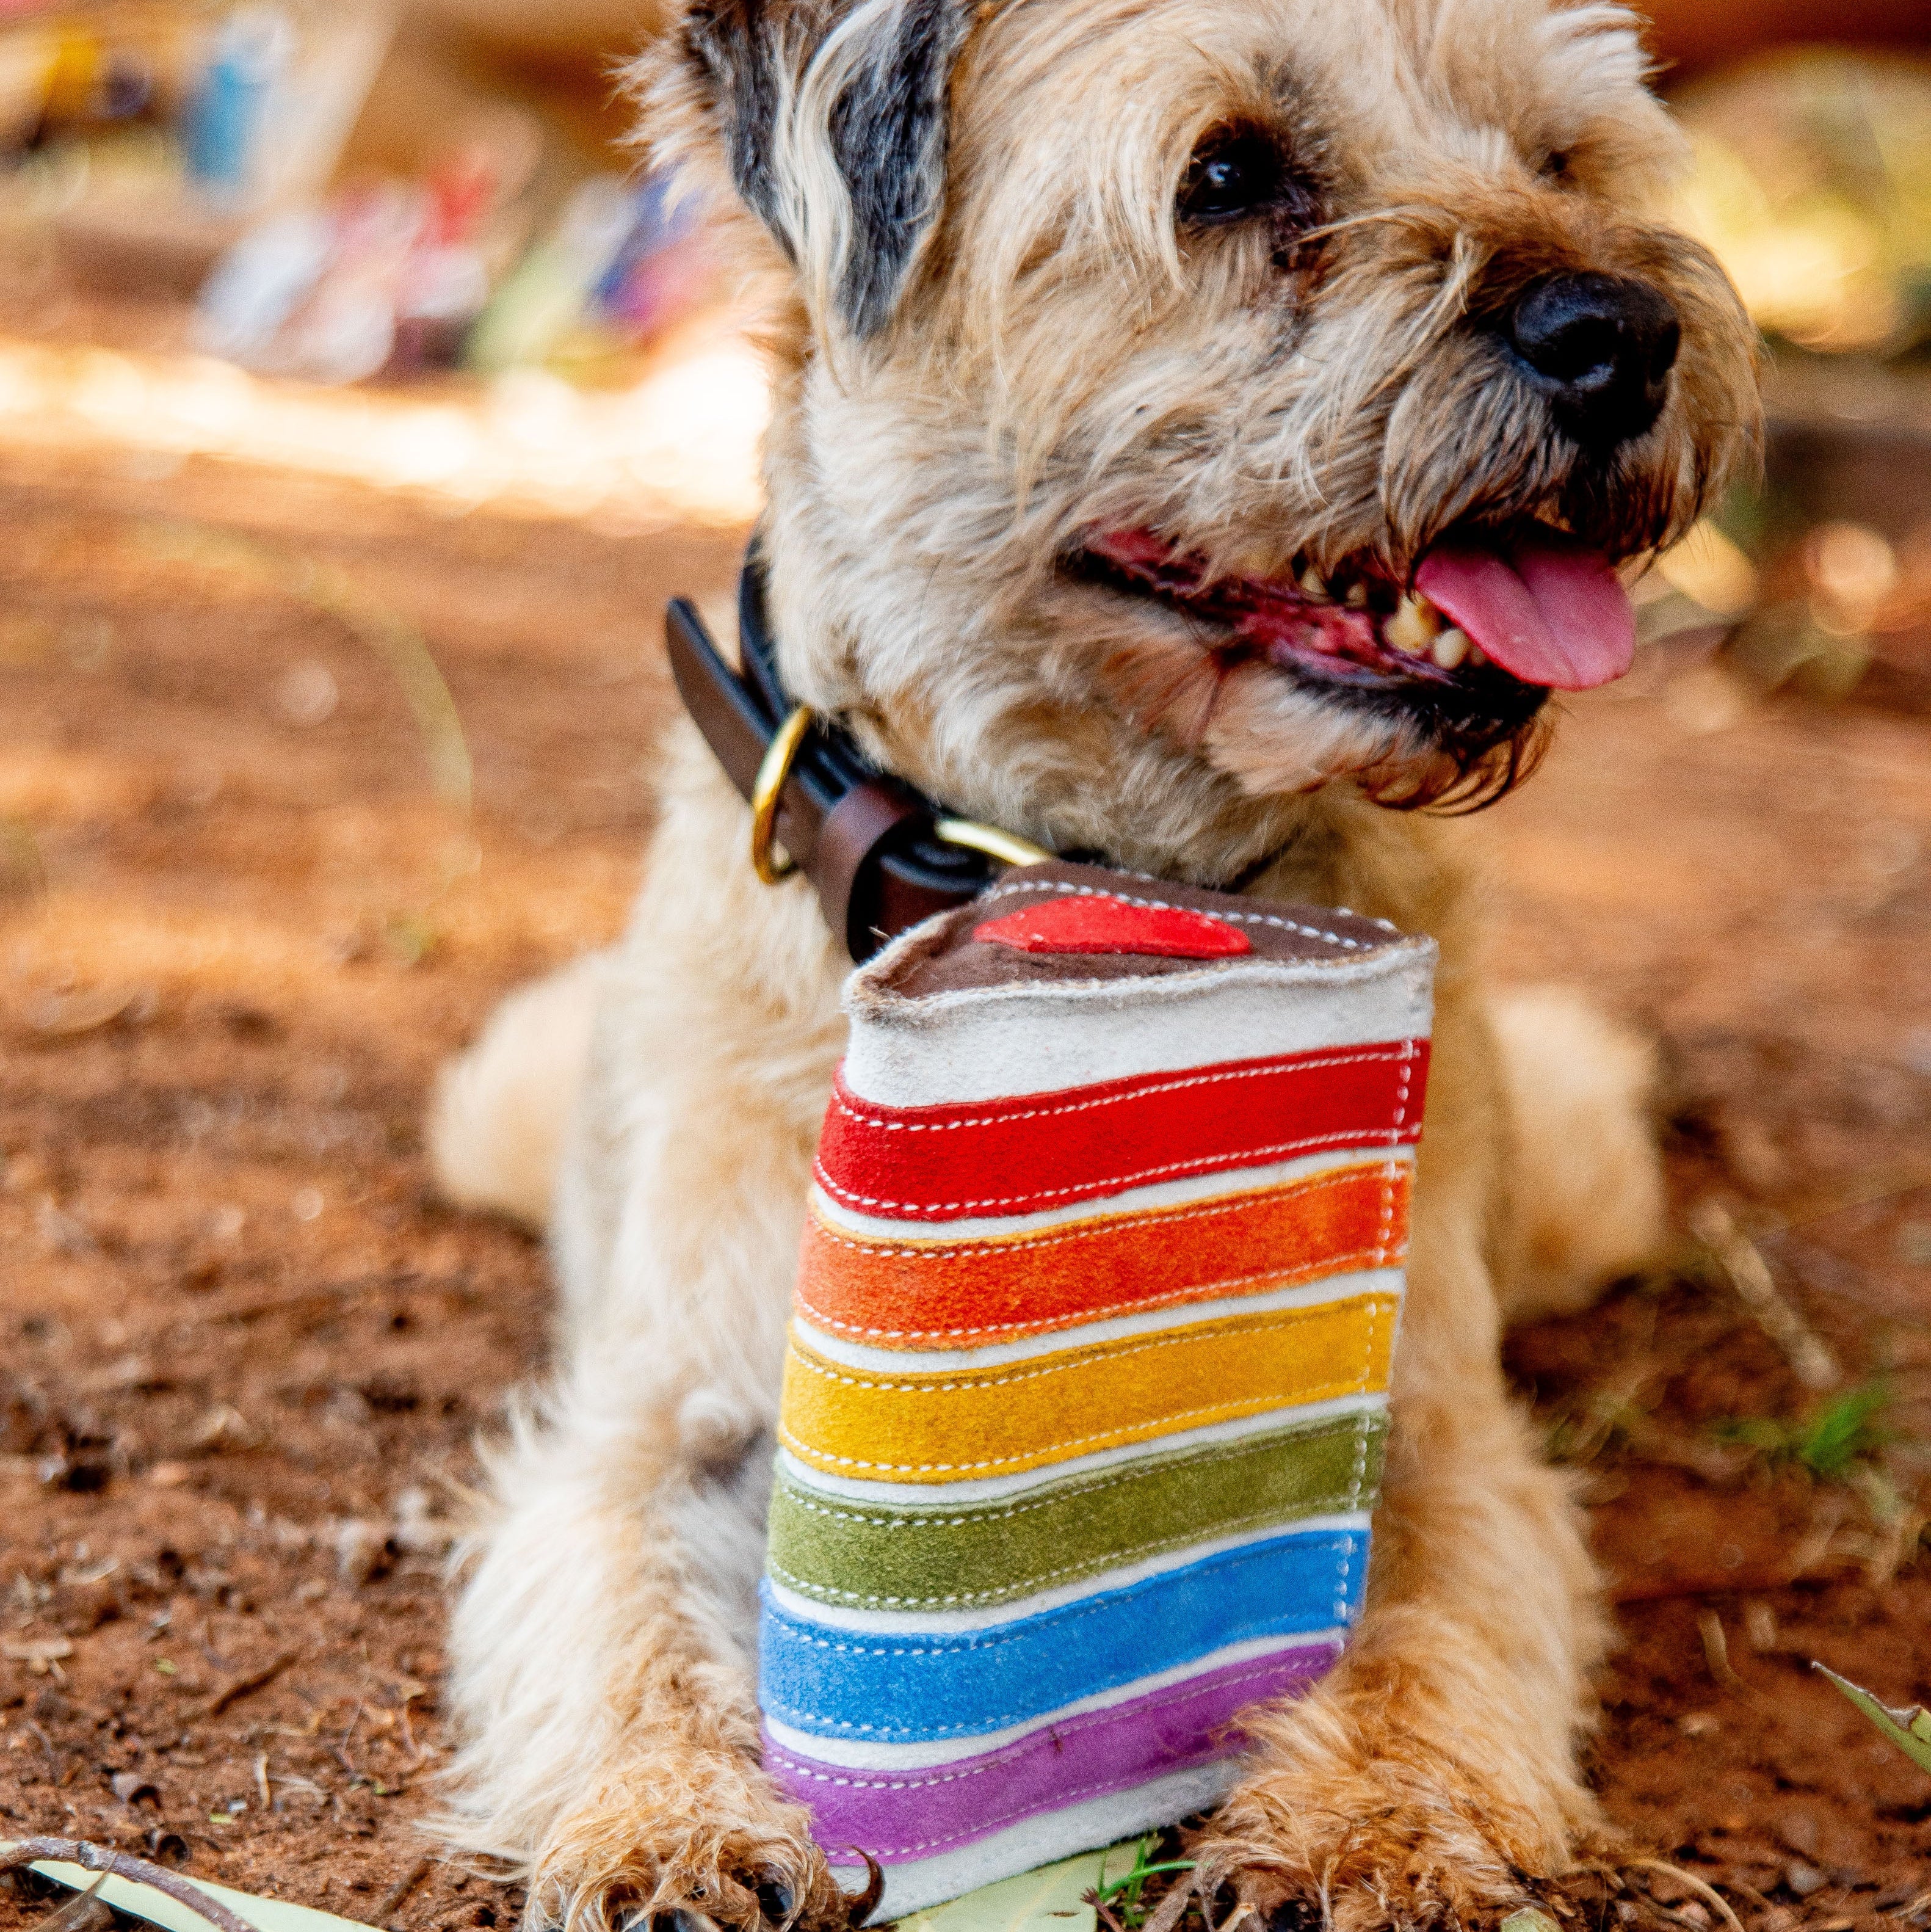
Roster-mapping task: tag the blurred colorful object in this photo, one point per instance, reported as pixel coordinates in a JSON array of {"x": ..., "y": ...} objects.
[
  {"x": 623, "y": 263},
  {"x": 387, "y": 272},
  {"x": 254, "y": 100},
  {"x": 227, "y": 118},
  {"x": 1812, "y": 183},
  {"x": 68, "y": 71},
  {"x": 393, "y": 276}
]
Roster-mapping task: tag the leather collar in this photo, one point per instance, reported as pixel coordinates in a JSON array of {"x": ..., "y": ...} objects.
[{"x": 864, "y": 839}]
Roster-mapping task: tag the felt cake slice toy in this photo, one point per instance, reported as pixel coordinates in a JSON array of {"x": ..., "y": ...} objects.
[{"x": 1086, "y": 1385}]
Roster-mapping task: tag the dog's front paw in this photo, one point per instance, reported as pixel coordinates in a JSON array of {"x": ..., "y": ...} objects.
[
  {"x": 1373, "y": 1847},
  {"x": 676, "y": 1855}
]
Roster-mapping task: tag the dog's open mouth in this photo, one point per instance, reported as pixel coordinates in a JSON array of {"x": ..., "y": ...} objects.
[{"x": 1489, "y": 622}]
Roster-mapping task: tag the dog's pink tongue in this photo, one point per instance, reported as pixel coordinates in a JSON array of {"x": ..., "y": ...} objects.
[{"x": 1550, "y": 613}]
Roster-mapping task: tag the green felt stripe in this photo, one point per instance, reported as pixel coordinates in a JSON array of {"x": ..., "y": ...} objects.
[{"x": 929, "y": 1556}]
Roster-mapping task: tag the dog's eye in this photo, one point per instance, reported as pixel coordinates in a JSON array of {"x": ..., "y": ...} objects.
[{"x": 1234, "y": 172}]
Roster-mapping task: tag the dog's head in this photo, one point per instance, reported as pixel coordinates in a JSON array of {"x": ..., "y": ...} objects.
[{"x": 1190, "y": 403}]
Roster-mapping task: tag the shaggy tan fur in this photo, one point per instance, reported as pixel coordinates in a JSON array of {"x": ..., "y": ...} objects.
[
  {"x": 496, "y": 1122},
  {"x": 1050, "y": 354},
  {"x": 1585, "y": 1190}
]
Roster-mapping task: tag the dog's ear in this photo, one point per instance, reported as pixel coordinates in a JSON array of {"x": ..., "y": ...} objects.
[{"x": 834, "y": 120}]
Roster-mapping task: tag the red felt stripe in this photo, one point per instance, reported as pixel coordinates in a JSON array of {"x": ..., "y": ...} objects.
[
  {"x": 1021, "y": 1155},
  {"x": 1104, "y": 924}
]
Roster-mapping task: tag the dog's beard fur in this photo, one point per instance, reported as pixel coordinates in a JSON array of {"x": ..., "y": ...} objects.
[{"x": 998, "y": 339}]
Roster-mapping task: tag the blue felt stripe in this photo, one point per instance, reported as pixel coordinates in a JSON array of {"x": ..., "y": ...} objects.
[{"x": 916, "y": 1687}]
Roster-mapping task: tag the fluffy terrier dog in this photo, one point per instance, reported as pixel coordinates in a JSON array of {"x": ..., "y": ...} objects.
[{"x": 1141, "y": 364}]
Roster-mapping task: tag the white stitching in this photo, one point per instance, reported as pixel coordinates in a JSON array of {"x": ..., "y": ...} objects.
[
  {"x": 1309, "y": 1272},
  {"x": 1088, "y": 1721},
  {"x": 1110, "y": 1559},
  {"x": 1071, "y": 1492},
  {"x": 1402, "y": 1094},
  {"x": 970, "y": 1643},
  {"x": 1151, "y": 1430},
  {"x": 1394, "y": 1050},
  {"x": 1400, "y": 1055},
  {"x": 1102, "y": 1226},
  {"x": 1002, "y": 1757},
  {"x": 1164, "y": 905},
  {"x": 1114, "y": 1183},
  {"x": 1298, "y": 1192},
  {"x": 1094, "y": 1354}
]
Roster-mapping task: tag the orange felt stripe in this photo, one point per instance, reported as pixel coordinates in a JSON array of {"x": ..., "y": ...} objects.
[{"x": 950, "y": 1295}]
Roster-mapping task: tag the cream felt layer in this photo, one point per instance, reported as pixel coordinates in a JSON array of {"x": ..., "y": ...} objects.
[
  {"x": 845, "y": 1617},
  {"x": 1311, "y": 1294},
  {"x": 991, "y": 1488},
  {"x": 935, "y": 1554},
  {"x": 998, "y": 1041},
  {"x": 1187, "y": 1189},
  {"x": 1095, "y": 1822},
  {"x": 865, "y": 1754},
  {"x": 914, "y": 1427}
]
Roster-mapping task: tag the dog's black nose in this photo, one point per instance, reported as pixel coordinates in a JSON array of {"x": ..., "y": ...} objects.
[{"x": 1604, "y": 346}]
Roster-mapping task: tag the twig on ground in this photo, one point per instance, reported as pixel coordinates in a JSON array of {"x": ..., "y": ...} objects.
[
  {"x": 401, "y": 1889},
  {"x": 1745, "y": 1269},
  {"x": 1717, "y": 1654},
  {"x": 82, "y": 1911},
  {"x": 1171, "y": 1909},
  {"x": 244, "y": 1686},
  {"x": 1695, "y": 1884},
  {"x": 341, "y": 1750},
  {"x": 47, "y": 1749},
  {"x": 121, "y": 1865}
]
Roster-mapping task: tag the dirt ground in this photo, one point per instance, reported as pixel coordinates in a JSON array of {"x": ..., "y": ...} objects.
[{"x": 247, "y": 1353}]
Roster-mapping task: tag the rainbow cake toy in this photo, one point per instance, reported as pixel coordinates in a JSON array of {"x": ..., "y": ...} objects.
[{"x": 1087, "y": 1387}]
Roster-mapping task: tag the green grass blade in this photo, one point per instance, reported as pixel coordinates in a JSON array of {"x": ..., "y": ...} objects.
[{"x": 1909, "y": 1730}]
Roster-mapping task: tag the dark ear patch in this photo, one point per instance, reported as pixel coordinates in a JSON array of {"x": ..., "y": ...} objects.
[
  {"x": 887, "y": 130},
  {"x": 737, "y": 45},
  {"x": 888, "y": 134}
]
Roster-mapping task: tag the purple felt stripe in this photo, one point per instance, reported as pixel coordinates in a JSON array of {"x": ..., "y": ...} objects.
[{"x": 900, "y": 1815}]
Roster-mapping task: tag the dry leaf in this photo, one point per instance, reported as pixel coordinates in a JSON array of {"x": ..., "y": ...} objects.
[
  {"x": 83, "y": 1913},
  {"x": 39, "y": 1653},
  {"x": 64, "y": 1015}
]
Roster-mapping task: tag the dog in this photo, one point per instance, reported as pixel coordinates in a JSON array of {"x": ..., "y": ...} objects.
[{"x": 1159, "y": 383}]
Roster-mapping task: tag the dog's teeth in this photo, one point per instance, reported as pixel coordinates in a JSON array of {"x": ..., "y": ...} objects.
[
  {"x": 1476, "y": 655},
  {"x": 1414, "y": 626},
  {"x": 1450, "y": 648},
  {"x": 1313, "y": 584},
  {"x": 1357, "y": 597}
]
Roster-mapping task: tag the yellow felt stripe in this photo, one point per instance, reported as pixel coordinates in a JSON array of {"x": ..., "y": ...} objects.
[{"x": 952, "y": 1426}]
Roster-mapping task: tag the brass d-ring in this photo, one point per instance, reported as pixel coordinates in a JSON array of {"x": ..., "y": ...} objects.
[
  {"x": 767, "y": 792},
  {"x": 1008, "y": 847}
]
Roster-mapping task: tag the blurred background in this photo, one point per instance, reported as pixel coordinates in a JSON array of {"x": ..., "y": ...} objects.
[{"x": 360, "y": 404}]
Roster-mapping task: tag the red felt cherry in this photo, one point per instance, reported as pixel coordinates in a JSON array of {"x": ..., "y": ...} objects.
[{"x": 1104, "y": 924}]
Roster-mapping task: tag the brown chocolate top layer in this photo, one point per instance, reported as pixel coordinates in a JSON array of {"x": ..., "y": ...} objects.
[{"x": 950, "y": 959}]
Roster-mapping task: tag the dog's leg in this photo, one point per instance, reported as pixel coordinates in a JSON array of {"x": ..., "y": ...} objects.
[
  {"x": 1586, "y": 1175},
  {"x": 603, "y": 1652},
  {"x": 496, "y": 1122},
  {"x": 1437, "y": 1762}
]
